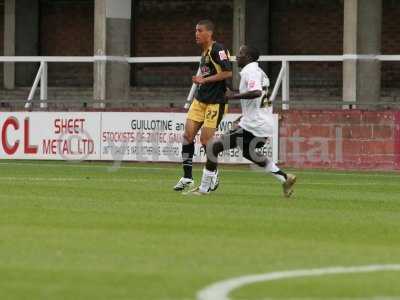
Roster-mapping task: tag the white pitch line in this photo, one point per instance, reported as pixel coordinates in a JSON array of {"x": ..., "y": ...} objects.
[
  {"x": 221, "y": 290},
  {"x": 338, "y": 298}
]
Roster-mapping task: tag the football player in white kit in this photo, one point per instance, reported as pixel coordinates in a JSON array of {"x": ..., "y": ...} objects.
[{"x": 254, "y": 126}]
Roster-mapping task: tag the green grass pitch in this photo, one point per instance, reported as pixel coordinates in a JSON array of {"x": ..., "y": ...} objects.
[{"x": 86, "y": 231}]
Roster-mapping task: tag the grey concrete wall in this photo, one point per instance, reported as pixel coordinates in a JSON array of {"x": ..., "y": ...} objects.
[
  {"x": 239, "y": 32},
  {"x": 99, "y": 69},
  {"x": 118, "y": 44},
  {"x": 362, "y": 35},
  {"x": 112, "y": 37}
]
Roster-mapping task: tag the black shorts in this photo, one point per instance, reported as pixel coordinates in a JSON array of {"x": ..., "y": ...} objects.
[{"x": 242, "y": 139}]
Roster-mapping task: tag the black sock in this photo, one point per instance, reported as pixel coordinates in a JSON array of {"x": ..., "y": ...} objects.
[
  {"x": 212, "y": 158},
  {"x": 281, "y": 173},
  {"x": 187, "y": 159}
]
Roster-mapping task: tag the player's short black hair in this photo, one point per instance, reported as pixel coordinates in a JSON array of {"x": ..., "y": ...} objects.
[
  {"x": 207, "y": 23},
  {"x": 252, "y": 53}
]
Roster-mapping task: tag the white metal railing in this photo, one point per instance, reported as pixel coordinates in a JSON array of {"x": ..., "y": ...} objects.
[
  {"x": 42, "y": 77},
  {"x": 282, "y": 80},
  {"x": 42, "y": 73}
]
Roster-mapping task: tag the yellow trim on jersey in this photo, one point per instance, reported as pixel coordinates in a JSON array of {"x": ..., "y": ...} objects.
[
  {"x": 208, "y": 50},
  {"x": 216, "y": 66}
]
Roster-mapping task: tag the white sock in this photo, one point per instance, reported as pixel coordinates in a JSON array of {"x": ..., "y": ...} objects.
[
  {"x": 206, "y": 180},
  {"x": 272, "y": 168}
]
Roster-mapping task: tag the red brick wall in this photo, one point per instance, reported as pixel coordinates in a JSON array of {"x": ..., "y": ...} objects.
[
  {"x": 1, "y": 28},
  {"x": 391, "y": 27},
  {"x": 341, "y": 139},
  {"x": 166, "y": 28},
  {"x": 308, "y": 27},
  {"x": 391, "y": 42},
  {"x": 67, "y": 29},
  {"x": 1, "y": 39}
]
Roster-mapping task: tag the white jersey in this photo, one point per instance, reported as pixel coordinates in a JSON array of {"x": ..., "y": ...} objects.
[{"x": 255, "y": 119}]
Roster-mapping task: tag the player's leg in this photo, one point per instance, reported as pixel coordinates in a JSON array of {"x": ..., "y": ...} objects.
[
  {"x": 193, "y": 124},
  {"x": 213, "y": 116},
  {"x": 209, "y": 178},
  {"x": 191, "y": 130},
  {"x": 215, "y": 147},
  {"x": 250, "y": 146}
]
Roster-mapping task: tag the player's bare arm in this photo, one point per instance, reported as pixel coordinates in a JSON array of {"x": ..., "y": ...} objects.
[
  {"x": 214, "y": 78},
  {"x": 229, "y": 95}
]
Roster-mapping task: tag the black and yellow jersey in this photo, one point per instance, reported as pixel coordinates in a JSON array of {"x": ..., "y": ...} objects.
[{"x": 213, "y": 61}]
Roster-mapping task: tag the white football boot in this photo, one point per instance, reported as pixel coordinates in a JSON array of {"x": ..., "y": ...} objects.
[{"x": 183, "y": 184}]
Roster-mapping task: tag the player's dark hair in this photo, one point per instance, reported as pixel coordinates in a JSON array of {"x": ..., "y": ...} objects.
[
  {"x": 252, "y": 53},
  {"x": 207, "y": 23}
]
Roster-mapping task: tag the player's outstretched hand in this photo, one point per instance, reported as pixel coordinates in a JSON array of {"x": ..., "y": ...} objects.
[{"x": 229, "y": 94}]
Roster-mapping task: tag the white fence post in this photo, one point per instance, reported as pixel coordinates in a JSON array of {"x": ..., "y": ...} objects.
[
  {"x": 191, "y": 92},
  {"x": 28, "y": 103},
  {"x": 43, "y": 86},
  {"x": 277, "y": 84},
  {"x": 285, "y": 85}
]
